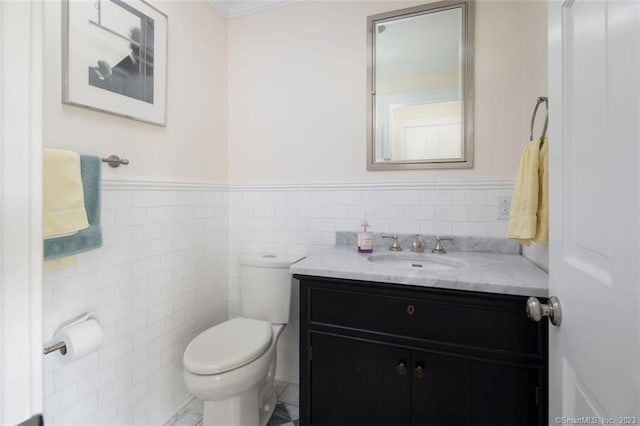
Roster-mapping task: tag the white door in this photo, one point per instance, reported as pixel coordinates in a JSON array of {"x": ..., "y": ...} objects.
[
  {"x": 20, "y": 210},
  {"x": 594, "y": 98}
]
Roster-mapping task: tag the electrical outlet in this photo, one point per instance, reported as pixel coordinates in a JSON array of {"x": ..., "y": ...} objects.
[{"x": 504, "y": 208}]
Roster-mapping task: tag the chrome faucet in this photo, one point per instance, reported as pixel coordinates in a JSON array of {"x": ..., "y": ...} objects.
[
  {"x": 438, "y": 249},
  {"x": 394, "y": 242},
  {"x": 417, "y": 245}
]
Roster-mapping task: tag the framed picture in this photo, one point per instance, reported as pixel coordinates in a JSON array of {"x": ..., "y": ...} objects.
[{"x": 115, "y": 58}]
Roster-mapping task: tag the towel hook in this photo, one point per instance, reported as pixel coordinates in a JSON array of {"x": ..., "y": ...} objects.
[{"x": 541, "y": 99}]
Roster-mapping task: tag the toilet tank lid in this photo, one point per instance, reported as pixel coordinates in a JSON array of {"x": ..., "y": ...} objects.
[
  {"x": 226, "y": 346},
  {"x": 269, "y": 260}
]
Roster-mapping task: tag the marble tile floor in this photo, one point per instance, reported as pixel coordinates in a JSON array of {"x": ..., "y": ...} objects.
[{"x": 285, "y": 414}]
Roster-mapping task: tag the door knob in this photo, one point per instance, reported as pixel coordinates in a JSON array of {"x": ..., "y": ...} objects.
[
  {"x": 401, "y": 369},
  {"x": 419, "y": 372},
  {"x": 536, "y": 310}
]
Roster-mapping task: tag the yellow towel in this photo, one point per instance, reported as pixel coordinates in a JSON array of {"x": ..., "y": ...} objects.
[
  {"x": 58, "y": 264},
  {"x": 529, "y": 204},
  {"x": 542, "y": 224},
  {"x": 64, "y": 212}
]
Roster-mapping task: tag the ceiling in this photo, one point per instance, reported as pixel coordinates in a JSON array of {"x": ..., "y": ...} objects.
[{"x": 234, "y": 8}]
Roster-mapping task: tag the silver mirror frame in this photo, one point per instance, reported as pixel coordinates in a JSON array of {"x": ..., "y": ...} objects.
[{"x": 468, "y": 14}]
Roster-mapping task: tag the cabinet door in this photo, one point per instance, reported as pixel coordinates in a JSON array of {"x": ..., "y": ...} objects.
[
  {"x": 456, "y": 390},
  {"x": 354, "y": 382},
  {"x": 506, "y": 394},
  {"x": 441, "y": 389}
]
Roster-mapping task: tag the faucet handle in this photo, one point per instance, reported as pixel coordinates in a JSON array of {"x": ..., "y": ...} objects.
[
  {"x": 417, "y": 245},
  {"x": 438, "y": 249},
  {"x": 394, "y": 242}
]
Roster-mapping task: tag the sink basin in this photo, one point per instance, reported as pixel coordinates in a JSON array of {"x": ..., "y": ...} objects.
[{"x": 415, "y": 261}]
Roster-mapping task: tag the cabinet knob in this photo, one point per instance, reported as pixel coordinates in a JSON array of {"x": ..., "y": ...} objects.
[
  {"x": 419, "y": 372},
  {"x": 411, "y": 309},
  {"x": 401, "y": 369}
]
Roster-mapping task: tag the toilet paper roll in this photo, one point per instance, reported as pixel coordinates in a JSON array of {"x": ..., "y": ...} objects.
[{"x": 80, "y": 338}]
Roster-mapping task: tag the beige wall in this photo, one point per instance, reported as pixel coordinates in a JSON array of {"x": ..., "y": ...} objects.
[
  {"x": 297, "y": 91},
  {"x": 193, "y": 145},
  {"x": 295, "y": 101}
]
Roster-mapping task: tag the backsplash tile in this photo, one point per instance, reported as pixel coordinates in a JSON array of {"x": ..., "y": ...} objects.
[{"x": 476, "y": 244}]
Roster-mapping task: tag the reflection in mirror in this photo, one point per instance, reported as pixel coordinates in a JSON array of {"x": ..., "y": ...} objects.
[{"x": 420, "y": 80}]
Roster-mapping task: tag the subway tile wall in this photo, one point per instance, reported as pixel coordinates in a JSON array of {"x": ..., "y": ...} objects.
[
  {"x": 169, "y": 269},
  {"x": 298, "y": 219},
  {"x": 159, "y": 279}
]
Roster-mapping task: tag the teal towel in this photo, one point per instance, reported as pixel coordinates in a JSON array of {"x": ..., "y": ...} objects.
[{"x": 91, "y": 237}]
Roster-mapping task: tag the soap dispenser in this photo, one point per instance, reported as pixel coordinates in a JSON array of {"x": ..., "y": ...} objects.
[{"x": 365, "y": 238}]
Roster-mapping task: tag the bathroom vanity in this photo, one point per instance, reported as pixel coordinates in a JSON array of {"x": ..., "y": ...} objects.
[{"x": 435, "y": 346}]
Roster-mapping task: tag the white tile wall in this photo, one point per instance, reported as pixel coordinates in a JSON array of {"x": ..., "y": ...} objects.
[
  {"x": 169, "y": 269},
  {"x": 160, "y": 278},
  {"x": 298, "y": 219}
]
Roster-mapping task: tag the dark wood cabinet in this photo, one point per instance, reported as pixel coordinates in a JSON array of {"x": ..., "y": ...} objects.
[
  {"x": 386, "y": 354},
  {"x": 352, "y": 387}
]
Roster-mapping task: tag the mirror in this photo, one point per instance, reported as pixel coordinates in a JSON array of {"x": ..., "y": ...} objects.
[{"x": 420, "y": 81}]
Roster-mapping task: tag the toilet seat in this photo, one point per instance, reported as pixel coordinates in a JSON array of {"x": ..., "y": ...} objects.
[{"x": 227, "y": 346}]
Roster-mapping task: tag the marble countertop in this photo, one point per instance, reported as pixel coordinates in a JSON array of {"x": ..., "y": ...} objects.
[{"x": 484, "y": 272}]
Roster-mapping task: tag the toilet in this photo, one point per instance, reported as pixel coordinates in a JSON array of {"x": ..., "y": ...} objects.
[{"x": 231, "y": 366}]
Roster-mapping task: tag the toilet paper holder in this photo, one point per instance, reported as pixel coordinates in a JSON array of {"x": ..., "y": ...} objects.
[{"x": 60, "y": 346}]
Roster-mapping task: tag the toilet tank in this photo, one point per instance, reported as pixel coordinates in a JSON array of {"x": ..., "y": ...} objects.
[{"x": 265, "y": 285}]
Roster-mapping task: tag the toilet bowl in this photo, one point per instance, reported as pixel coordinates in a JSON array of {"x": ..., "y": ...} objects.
[
  {"x": 231, "y": 366},
  {"x": 243, "y": 395}
]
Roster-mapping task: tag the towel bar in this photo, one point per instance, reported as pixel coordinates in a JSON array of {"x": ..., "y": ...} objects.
[
  {"x": 541, "y": 99},
  {"x": 115, "y": 161}
]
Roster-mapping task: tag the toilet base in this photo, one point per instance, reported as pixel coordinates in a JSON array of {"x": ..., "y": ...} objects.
[
  {"x": 239, "y": 410},
  {"x": 245, "y": 409},
  {"x": 268, "y": 408}
]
